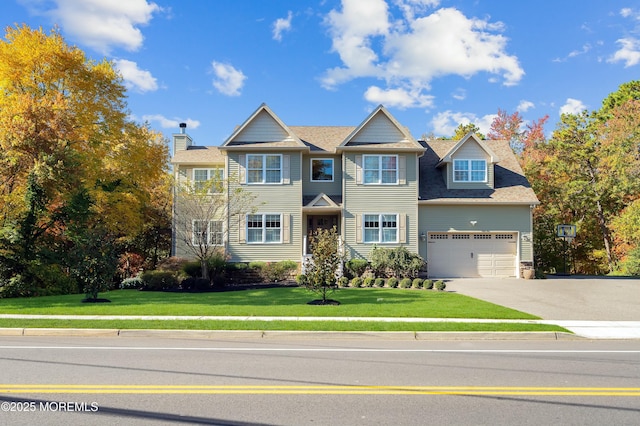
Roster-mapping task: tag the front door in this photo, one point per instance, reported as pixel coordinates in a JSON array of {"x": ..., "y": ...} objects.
[{"x": 321, "y": 222}]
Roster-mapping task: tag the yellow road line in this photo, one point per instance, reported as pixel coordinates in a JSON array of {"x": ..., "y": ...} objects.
[{"x": 316, "y": 390}]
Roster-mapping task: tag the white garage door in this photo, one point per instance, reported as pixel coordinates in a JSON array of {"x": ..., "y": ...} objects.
[{"x": 453, "y": 255}]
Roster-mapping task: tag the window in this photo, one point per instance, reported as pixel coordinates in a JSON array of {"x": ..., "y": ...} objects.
[
  {"x": 380, "y": 169},
  {"x": 322, "y": 170},
  {"x": 380, "y": 228},
  {"x": 469, "y": 170},
  {"x": 207, "y": 233},
  {"x": 264, "y": 228},
  {"x": 265, "y": 168},
  {"x": 207, "y": 178}
]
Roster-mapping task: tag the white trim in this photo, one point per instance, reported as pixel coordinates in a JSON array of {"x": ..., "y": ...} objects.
[
  {"x": 469, "y": 162},
  {"x": 380, "y": 228},
  {"x": 264, "y": 228},
  {"x": 333, "y": 169},
  {"x": 264, "y": 169},
  {"x": 379, "y": 182}
]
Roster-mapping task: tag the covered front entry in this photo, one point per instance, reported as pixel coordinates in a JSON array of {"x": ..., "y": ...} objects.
[{"x": 484, "y": 254}]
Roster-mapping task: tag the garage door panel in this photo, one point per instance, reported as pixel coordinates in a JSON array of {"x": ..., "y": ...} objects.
[{"x": 472, "y": 255}]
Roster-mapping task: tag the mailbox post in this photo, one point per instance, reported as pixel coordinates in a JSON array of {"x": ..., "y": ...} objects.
[{"x": 567, "y": 233}]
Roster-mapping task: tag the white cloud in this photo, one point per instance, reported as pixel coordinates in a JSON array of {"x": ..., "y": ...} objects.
[
  {"x": 629, "y": 53},
  {"x": 400, "y": 98},
  {"x": 445, "y": 123},
  {"x": 459, "y": 94},
  {"x": 408, "y": 53},
  {"x": 572, "y": 106},
  {"x": 525, "y": 106},
  {"x": 281, "y": 25},
  {"x": 134, "y": 77},
  {"x": 228, "y": 80},
  {"x": 99, "y": 24},
  {"x": 170, "y": 123}
]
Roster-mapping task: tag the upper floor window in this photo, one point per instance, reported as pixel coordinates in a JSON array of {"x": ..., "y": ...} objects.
[
  {"x": 380, "y": 228},
  {"x": 207, "y": 233},
  {"x": 469, "y": 170},
  {"x": 264, "y": 168},
  {"x": 322, "y": 170},
  {"x": 380, "y": 169},
  {"x": 209, "y": 179},
  {"x": 264, "y": 228}
]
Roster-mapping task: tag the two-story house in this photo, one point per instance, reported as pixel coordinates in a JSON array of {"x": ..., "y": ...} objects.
[{"x": 465, "y": 206}]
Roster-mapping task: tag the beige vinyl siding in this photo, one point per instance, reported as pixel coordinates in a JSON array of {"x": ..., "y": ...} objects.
[
  {"x": 285, "y": 199},
  {"x": 379, "y": 199},
  {"x": 499, "y": 218},
  {"x": 470, "y": 151},
  {"x": 314, "y": 188},
  {"x": 263, "y": 128},
  {"x": 378, "y": 130}
]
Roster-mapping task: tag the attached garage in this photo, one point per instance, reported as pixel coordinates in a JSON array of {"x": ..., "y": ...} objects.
[{"x": 464, "y": 254}]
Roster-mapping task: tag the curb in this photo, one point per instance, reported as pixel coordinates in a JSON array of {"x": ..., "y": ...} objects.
[{"x": 257, "y": 334}]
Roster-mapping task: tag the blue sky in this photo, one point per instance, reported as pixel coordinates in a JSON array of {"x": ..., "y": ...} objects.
[{"x": 433, "y": 63}]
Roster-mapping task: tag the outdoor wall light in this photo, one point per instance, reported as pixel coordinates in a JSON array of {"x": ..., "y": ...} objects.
[
  {"x": 473, "y": 222},
  {"x": 423, "y": 237}
]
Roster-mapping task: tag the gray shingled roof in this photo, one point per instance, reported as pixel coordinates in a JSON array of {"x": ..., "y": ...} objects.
[
  {"x": 198, "y": 155},
  {"x": 511, "y": 186},
  {"x": 322, "y": 138}
]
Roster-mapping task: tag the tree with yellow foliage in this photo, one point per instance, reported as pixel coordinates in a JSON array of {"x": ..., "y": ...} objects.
[{"x": 64, "y": 136}]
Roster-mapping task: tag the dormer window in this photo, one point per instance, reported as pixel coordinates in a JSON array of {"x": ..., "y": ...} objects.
[{"x": 469, "y": 170}]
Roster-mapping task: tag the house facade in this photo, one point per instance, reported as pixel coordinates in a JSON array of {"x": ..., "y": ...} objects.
[{"x": 464, "y": 206}]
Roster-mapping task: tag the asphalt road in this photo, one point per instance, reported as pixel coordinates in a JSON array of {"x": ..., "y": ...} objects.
[{"x": 72, "y": 381}]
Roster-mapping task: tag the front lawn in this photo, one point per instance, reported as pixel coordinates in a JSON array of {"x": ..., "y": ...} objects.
[{"x": 284, "y": 301}]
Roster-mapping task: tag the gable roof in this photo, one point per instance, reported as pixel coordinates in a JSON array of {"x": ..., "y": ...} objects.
[
  {"x": 380, "y": 130},
  {"x": 264, "y": 130},
  {"x": 510, "y": 184},
  {"x": 447, "y": 157}
]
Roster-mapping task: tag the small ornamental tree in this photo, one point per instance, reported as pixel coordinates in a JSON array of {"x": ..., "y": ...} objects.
[{"x": 321, "y": 271}]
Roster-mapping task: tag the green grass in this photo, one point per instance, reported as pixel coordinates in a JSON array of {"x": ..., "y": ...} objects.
[
  {"x": 277, "y": 325},
  {"x": 286, "y": 301}
]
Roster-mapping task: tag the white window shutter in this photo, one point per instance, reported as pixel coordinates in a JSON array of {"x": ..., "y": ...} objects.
[
  {"x": 358, "y": 228},
  {"x": 402, "y": 170},
  {"x": 286, "y": 228},
  {"x": 402, "y": 228},
  {"x": 358, "y": 169},
  {"x": 242, "y": 229},
  {"x": 286, "y": 169},
  {"x": 242, "y": 169}
]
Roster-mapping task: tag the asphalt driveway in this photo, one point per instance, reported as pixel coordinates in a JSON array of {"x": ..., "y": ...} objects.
[{"x": 559, "y": 298}]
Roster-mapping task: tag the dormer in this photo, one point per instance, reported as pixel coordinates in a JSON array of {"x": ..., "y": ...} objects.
[{"x": 469, "y": 164}]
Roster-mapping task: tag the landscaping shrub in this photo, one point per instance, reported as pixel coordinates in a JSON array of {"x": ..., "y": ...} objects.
[
  {"x": 440, "y": 285},
  {"x": 392, "y": 282},
  {"x": 356, "y": 282},
  {"x": 133, "y": 283},
  {"x": 427, "y": 284},
  {"x": 192, "y": 268},
  {"x": 405, "y": 283},
  {"x": 416, "y": 283},
  {"x": 397, "y": 262},
  {"x": 356, "y": 267},
  {"x": 159, "y": 280},
  {"x": 273, "y": 272},
  {"x": 172, "y": 264},
  {"x": 368, "y": 282},
  {"x": 343, "y": 281},
  {"x": 379, "y": 282}
]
